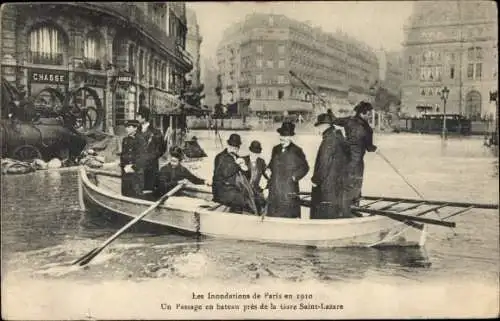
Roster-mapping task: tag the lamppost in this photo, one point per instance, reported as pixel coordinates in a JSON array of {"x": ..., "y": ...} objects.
[{"x": 444, "y": 96}]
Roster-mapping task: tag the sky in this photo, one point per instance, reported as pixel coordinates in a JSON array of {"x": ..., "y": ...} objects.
[{"x": 377, "y": 23}]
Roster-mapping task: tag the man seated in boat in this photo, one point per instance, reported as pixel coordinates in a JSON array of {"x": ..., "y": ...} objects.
[
  {"x": 256, "y": 169},
  {"x": 230, "y": 186},
  {"x": 174, "y": 173},
  {"x": 132, "y": 161}
]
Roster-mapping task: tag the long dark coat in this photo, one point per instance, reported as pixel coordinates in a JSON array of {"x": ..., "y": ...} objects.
[
  {"x": 133, "y": 154},
  {"x": 226, "y": 182},
  {"x": 327, "y": 198},
  {"x": 254, "y": 175},
  {"x": 154, "y": 149},
  {"x": 359, "y": 138},
  {"x": 169, "y": 176},
  {"x": 287, "y": 167}
]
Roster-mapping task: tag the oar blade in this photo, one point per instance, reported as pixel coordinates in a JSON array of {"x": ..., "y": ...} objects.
[{"x": 81, "y": 259}]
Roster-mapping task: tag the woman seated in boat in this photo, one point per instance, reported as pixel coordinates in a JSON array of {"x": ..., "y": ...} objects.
[{"x": 174, "y": 173}]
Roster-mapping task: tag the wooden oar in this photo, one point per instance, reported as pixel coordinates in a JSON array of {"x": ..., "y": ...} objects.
[
  {"x": 90, "y": 255},
  {"x": 403, "y": 216}
]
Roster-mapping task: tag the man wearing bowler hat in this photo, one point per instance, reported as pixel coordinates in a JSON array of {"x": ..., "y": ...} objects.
[
  {"x": 329, "y": 175},
  {"x": 288, "y": 166},
  {"x": 256, "y": 169},
  {"x": 359, "y": 137},
  {"x": 228, "y": 187},
  {"x": 132, "y": 161}
]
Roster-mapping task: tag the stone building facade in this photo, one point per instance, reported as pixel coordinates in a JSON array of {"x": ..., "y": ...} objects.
[
  {"x": 193, "y": 45},
  {"x": 255, "y": 57},
  {"x": 129, "y": 54},
  {"x": 452, "y": 44}
]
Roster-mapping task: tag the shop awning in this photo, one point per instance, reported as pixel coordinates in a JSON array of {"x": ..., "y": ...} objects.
[
  {"x": 280, "y": 105},
  {"x": 164, "y": 103}
]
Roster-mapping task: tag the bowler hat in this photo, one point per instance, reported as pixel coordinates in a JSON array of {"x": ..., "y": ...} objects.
[
  {"x": 176, "y": 152},
  {"x": 287, "y": 129},
  {"x": 234, "y": 140},
  {"x": 324, "y": 119},
  {"x": 363, "y": 107},
  {"x": 255, "y": 147},
  {"x": 131, "y": 122}
]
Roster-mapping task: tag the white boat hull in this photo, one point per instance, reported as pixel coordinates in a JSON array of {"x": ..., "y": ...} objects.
[{"x": 188, "y": 214}]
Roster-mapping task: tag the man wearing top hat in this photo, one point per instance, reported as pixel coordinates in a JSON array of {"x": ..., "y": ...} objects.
[
  {"x": 154, "y": 148},
  {"x": 256, "y": 169},
  {"x": 327, "y": 195},
  {"x": 132, "y": 161},
  {"x": 228, "y": 187},
  {"x": 359, "y": 138},
  {"x": 288, "y": 166},
  {"x": 174, "y": 173}
]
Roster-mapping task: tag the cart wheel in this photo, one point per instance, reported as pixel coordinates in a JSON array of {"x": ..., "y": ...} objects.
[{"x": 27, "y": 153}]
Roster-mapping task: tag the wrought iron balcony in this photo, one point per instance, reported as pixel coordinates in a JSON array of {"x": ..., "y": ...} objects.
[{"x": 45, "y": 58}]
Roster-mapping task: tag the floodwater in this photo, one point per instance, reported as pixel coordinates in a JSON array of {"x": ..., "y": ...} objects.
[{"x": 144, "y": 275}]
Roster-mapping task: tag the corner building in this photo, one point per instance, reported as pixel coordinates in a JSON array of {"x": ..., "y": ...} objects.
[
  {"x": 130, "y": 54},
  {"x": 452, "y": 44},
  {"x": 255, "y": 56}
]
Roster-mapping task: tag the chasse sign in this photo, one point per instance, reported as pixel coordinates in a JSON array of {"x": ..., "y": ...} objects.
[{"x": 48, "y": 76}]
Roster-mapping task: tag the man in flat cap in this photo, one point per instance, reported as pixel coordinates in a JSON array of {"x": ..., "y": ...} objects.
[
  {"x": 359, "y": 137},
  {"x": 132, "y": 161}
]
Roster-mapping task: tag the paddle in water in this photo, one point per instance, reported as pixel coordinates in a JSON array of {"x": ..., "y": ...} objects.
[{"x": 90, "y": 255}]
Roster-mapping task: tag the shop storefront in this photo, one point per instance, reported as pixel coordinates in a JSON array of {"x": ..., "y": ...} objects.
[
  {"x": 92, "y": 95},
  {"x": 124, "y": 99},
  {"x": 48, "y": 87}
]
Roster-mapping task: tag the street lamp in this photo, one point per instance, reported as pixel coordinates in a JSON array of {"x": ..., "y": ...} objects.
[{"x": 444, "y": 96}]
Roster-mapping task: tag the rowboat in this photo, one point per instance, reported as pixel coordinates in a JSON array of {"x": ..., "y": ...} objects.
[{"x": 195, "y": 212}]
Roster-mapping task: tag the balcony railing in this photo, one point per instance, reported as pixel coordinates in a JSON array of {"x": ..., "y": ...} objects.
[
  {"x": 45, "y": 58},
  {"x": 94, "y": 64}
]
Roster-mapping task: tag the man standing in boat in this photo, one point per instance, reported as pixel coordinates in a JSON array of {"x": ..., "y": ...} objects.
[
  {"x": 288, "y": 166},
  {"x": 154, "y": 149},
  {"x": 229, "y": 184},
  {"x": 329, "y": 176},
  {"x": 132, "y": 161},
  {"x": 359, "y": 137},
  {"x": 256, "y": 169},
  {"x": 174, "y": 173}
]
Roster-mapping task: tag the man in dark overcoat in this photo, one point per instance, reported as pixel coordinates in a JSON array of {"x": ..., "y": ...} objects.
[
  {"x": 256, "y": 170},
  {"x": 154, "y": 149},
  {"x": 228, "y": 181},
  {"x": 359, "y": 138},
  {"x": 330, "y": 174},
  {"x": 288, "y": 166},
  {"x": 132, "y": 161}
]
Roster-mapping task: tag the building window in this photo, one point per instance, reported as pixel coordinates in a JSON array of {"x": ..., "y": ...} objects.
[
  {"x": 479, "y": 70},
  {"x": 452, "y": 72},
  {"x": 422, "y": 92},
  {"x": 131, "y": 57},
  {"x": 271, "y": 21},
  {"x": 92, "y": 51},
  {"x": 46, "y": 46},
  {"x": 281, "y": 63},
  {"x": 259, "y": 48},
  {"x": 258, "y": 79},
  {"x": 281, "y": 94},
  {"x": 281, "y": 79},
  {"x": 259, "y": 63},
  {"x": 258, "y": 93},
  {"x": 270, "y": 93},
  {"x": 281, "y": 49},
  {"x": 270, "y": 64}
]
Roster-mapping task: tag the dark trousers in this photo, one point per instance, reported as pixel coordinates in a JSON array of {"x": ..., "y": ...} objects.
[
  {"x": 150, "y": 176},
  {"x": 132, "y": 184}
]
